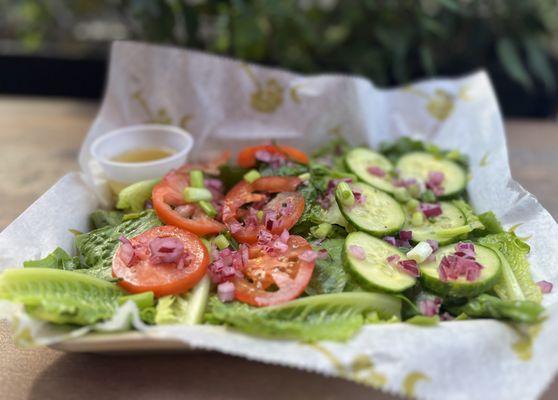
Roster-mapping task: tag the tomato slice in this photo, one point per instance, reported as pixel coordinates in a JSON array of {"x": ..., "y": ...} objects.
[
  {"x": 171, "y": 208},
  {"x": 287, "y": 206},
  {"x": 144, "y": 275},
  {"x": 247, "y": 157},
  {"x": 274, "y": 279}
]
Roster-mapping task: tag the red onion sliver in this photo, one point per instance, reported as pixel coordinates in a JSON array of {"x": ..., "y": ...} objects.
[
  {"x": 434, "y": 244},
  {"x": 166, "y": 250},
  {"x": 225, "y": 291},
  {"x": 410, "y": 267},
  {"x": 430, "y": 307},
  {"x": 393, "y": 260},
  {"x": 405, "y": 235},
  {"x": 431, "y": 209},
  {"x": 127, "y": 252},
  {"x": 391, "y": 240},
  {"x": 546, "y": 287},
  {"x": 308, "y": 256}
]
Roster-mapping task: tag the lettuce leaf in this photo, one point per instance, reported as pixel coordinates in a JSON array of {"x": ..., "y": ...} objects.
[
  {"x": 323, "y": 317},
  {"x": 186, "y": 309},
  {"x": 486, "y": 306},
  {"x": 329, "y": 275},
  {"x": 58, "y": 259},
  {"x": 472, "y": 219},
  {"x": 133, "y": 197},
  {"x": 102, "y": 218},
  {"x": 490, "y": 222},
  {"x": 516, "y": 282},
  {"x": 97, "y": 247},
  {"x": 61, "y": 297}
]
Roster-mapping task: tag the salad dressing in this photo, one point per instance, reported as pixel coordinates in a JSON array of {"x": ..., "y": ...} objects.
[
  {"x": 143, "y": 154},
  {"x": 138, "y": 155}
]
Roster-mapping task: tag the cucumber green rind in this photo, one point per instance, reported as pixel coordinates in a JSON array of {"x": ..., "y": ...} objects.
[
  {"x": 489, "y": 276},
  {"x": 59, "y": 296},
  {"x": 359, "y": 159},
  {"x": 374, "y": 273},
  {"x": 418, "y": 164},
  {"x": 380, "y": 215}
]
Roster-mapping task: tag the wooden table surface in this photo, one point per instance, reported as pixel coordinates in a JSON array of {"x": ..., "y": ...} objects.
[{"x": 39, "y": 140}]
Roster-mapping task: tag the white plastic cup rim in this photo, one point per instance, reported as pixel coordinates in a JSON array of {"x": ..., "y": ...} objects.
[{"x": 115, "y": 142}]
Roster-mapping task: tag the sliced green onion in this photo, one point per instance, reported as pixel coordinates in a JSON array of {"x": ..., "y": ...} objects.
[
  {"x": 206, "y": 243},
  {"x": 428, "y": 196},
  {"x": 321, "y": 231},
  {"x": 414, "y": 190},
  {"x": 260, "y": 215},
  {"x": 221, "y": 242},
  {"x": 208, "y": 208},
  {"x": 196, "y": 179},
  {"x": 417, "y": 219},
  {"x": 252, "y": 175},
  {"x": 412, "y": 205},
  {"x": 420, "y": 252},
  {"x": 304, "y": 177},
  {"x": 401, "y": 194},
  {"x": 193, "y": 195},
  {"x": 344, "y": 192}
]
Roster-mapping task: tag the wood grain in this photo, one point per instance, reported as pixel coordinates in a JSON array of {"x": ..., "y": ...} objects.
[{"x": 39, "y": 140}]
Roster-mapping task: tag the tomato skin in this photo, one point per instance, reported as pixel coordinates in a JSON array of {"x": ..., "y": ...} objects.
[
  {"x": 276, "y": 184},
  {"x": 243, "y": 193},
  {"x": 291, "y": 277},
  {"x": 168, "y": 193},
  {"x": 161, "y": 279},
  {"x": 247, "y": 157}
]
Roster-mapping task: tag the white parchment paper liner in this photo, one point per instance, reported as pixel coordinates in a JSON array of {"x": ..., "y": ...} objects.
[{"x": 226, "y": 104}]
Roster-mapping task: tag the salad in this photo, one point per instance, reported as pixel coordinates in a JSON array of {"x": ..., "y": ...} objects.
[{"x": 285, "y": 245}]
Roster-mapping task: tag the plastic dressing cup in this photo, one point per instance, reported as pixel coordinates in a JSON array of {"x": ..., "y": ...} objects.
[{"x": 176, "y": 141}]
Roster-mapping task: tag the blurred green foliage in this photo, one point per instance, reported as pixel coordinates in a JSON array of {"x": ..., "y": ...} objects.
[{"x": 387, "y": 41}]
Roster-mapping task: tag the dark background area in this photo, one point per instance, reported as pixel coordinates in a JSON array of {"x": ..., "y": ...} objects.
[{"x": 60, "y": 47}]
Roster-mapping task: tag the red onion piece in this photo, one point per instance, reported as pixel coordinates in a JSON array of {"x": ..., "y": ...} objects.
[
  {"x": 376, "y": 171},
  {"x": 405, "y": 235},
  {"x": 284, "y": 237},
  {"x": 434, "y": 244},
  {"x": 357, "y": 252},
  {"x": 409, "y": 267},
  {"x": 465, "y": 249},
  {"x": 546, "y": 287},
  {"x": 225, "y": 291},
  {"x": 322, "y": 254},
  {"x": 308, "y": 256},
  {"x": 431, "y": 209},
  {"x": 453, "y": 266},
  {"x": 404, "y": 182},
  {"x": 280, "y": 246},
  {"x": 359, "y": 198},
  {"x": 265, "y": 237},
  {"x": 430, "y": 307},
  {"x": 391, "y": 240},
  {"x": 434, "y": 182},
  {"x": 127, "y": 252},
  {"x": 166, "y": 250}
]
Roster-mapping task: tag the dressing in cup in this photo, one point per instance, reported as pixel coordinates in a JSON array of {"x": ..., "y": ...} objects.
[{"x": 140, "y": 152}]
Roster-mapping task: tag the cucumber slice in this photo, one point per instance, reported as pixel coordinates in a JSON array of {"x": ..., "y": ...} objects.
[
  {"x": 379, "y": 215},
  {"x": 358, "y": 161},
  {"x": 417, "y": 165},
  {"x": 461, "y": 287},
  {"x": 374, "y": 272},
  {"x": 434, "y": 228}
]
